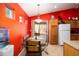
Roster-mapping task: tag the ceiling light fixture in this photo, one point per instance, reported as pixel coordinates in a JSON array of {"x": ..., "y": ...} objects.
[{"x": 38, "y": 17}]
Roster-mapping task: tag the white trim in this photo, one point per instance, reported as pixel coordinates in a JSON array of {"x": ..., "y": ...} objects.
[{"x": 23, "y": 52}]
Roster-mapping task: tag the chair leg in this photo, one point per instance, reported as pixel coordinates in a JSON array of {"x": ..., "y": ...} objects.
[{"x": 46, "y": 52}]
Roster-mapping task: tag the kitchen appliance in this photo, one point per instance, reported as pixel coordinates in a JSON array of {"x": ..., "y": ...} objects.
[{"x": 63, "y": 33}]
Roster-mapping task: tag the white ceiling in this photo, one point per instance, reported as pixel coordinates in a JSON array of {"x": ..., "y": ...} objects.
[{"x": 32, "y": 9}]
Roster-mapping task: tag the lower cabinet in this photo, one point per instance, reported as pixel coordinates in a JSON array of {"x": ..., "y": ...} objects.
[
  {"x": 70, "y": 51},
  {"x": 74, "y": 36}
]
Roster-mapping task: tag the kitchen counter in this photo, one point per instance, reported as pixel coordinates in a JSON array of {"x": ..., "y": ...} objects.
[
  {"x": 71, "y": 48},
  {"x": 74, "y": 44}
]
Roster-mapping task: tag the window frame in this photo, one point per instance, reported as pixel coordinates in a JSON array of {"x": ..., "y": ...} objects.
[
  {"x": 9, "y": 12},
  {"x": 21, "y": 19}
]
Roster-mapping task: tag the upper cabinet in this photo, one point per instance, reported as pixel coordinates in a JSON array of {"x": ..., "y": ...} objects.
[{"x": 74, "y": 23}]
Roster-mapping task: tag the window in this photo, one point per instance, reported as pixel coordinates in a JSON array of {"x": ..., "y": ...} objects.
[
  {"x": 9, "y": 13},
  {"x": 20, "y": 19}
]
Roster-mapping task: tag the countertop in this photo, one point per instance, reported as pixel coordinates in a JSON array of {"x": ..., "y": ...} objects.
[{"x": 74, "y": 44}]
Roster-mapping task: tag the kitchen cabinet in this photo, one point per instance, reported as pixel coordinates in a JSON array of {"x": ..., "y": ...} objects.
[
  {"x": 74, "y": 28},
  {"x": 53, "y": 31},
  {"x": 71, "y": 48}
]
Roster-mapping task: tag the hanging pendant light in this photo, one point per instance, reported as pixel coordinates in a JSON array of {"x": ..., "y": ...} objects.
[{"x": 38, "y": 17}]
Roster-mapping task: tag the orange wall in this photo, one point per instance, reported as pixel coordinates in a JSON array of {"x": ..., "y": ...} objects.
[{"x": 17, "y": 30}]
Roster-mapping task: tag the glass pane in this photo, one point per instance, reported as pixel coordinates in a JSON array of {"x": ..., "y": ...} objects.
[
  {"x": 20, "y": 19},
  {"x": 36, "y": 28},
  {"x": 9, "y": 13},
  {"x": 43, "y": 28}
]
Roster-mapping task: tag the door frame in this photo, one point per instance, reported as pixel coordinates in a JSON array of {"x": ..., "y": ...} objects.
[{"x": 32, "y": 30}]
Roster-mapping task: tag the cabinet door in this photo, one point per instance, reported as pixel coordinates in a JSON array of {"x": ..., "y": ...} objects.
[
  {"x": 78, "y": 37},
  {"x": 74, "y": 37},
  {"x": 54, "y": 30},
  {"x": 54, "y": 39},
  {"x": 54, "y": 34},
  {"x": 70, "y": 51}
]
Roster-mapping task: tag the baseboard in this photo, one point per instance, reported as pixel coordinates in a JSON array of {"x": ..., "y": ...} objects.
[{"x": 23, "y": 52}]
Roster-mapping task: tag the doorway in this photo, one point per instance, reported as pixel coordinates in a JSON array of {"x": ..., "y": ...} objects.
[{"x": 40, "y": 30}]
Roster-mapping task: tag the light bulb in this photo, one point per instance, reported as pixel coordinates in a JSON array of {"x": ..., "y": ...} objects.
[
  {"x": 76, "y": 18},
  {"x": 69, "y": 18}
]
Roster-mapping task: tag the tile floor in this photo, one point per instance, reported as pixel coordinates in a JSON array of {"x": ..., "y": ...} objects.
[{"x": 54, "y": 50}]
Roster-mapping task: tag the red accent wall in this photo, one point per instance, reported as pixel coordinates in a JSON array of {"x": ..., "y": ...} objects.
[
  {"x": 17, "y": 30},
  {"x": 64, "y": 14},
  {"x": 77, "y": 12},
  {"x": 29, "y": 26}
]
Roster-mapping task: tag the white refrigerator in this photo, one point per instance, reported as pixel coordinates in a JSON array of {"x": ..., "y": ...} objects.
[{"x": 63, "y": 33}]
